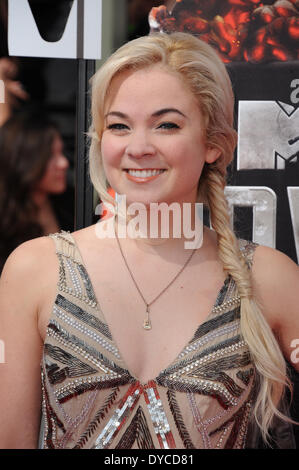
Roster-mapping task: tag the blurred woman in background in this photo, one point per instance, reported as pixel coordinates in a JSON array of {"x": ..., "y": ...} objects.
[{"x": 33, "y": 167}]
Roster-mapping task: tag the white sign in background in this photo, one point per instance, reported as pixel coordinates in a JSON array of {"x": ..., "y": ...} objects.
[
  {"x": 268, "y": 135},
  {"x": 25, "y": 40},
  {"x": 263, "y": 201},
  {"x": 268, "y": 139}
]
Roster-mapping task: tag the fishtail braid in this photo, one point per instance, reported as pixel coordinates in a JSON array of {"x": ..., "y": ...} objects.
[{"x": 256, "y": 332}]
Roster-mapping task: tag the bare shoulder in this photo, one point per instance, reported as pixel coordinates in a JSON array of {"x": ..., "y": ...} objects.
[
  {"x": 29, "y": 257},
  {"x": 88, "y": 239},
  {"x": 276, "y": 284},
  {"x": 271, "y": 266},
  {"x": 27, "y": 268},
  {"x": 84, "y": 235},
  {"x": 24, "y": 281},
  {"x": 93, "y": 231}
]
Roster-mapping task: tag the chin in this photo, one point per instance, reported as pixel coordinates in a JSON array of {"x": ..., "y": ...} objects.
[
  {"x": 144, "y": 202},
  {"x": 59, "y": 189}
]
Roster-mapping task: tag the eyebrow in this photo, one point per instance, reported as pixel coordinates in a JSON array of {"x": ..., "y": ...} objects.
[{"x": 160, "y": 112}]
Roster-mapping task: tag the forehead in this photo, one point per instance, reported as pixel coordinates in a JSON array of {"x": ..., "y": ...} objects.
[{"x": 151, "y": 87}]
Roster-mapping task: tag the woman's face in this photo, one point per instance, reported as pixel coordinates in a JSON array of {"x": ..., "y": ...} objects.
[
  {"x": 153, "y": 123},
  {"x": 54, "y": 179}
]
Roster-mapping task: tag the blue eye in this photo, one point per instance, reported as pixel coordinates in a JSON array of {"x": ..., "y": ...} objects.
[{"x": 168, "y": 125}]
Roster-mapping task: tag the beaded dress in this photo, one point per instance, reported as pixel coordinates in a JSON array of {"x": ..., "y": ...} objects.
[{"x": 203, "y": 399}]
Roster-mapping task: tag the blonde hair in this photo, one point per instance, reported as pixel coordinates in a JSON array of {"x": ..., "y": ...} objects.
[{"x": 202, "y": 70}]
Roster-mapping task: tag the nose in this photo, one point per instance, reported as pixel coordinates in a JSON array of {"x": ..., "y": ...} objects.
[
  {"x": 62, "y": 162},
  {"x": 140, "y": 144}
]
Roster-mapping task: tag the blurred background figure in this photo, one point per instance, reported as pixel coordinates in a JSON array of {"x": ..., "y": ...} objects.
[
  {"x": 33, "y": 173},
  {"x": 36, "y": 178},
  {"x": 15, "y": 94},
  {"x": 14, "y": 91}
]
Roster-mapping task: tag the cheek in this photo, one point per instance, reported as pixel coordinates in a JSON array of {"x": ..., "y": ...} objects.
[
  {"x": 187, "y": 156},
  {"x": 51, "y": 180},
  {"x": 189, "y": 161},
  {"x": 46, "y": 181},
  {"x": 111, "y": 151}
]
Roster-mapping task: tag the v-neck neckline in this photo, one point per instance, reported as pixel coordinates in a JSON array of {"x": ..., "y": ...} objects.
[{"x": 218, "y": 302}]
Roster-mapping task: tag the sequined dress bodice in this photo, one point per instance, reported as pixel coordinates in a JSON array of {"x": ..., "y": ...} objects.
[{"x": 203, "y": 399}]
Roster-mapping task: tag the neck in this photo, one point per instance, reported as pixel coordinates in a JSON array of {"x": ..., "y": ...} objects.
[
  {"x": 40, "y": 198},
  {"x": 181, "y": 227},
  {"x": 5, "y": 113}
]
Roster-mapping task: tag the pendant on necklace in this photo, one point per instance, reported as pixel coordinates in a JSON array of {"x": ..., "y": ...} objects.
[{"x": 146, "y": 322}]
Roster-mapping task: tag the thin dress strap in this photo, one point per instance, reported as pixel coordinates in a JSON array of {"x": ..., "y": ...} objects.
[
  {"x": 247, "y": 249},
  {"x": 66, "y": 246},
  {"x": 73, "y": 278}
]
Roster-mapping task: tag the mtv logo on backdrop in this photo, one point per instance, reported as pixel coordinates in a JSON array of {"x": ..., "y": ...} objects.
[
  {"x": 268, "y": 135},
  {"x": 81, "y": 38}
]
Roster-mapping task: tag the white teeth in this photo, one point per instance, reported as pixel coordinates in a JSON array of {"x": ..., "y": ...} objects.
[{"x": 144, "y": 173}]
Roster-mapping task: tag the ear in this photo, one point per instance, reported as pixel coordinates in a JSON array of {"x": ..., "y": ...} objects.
[{"x": 212, "y": 154}]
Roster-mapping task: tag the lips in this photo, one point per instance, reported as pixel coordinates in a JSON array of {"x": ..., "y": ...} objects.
[
  {"x": 143, "y": 175},
  {"x": 144, "y": 172}
]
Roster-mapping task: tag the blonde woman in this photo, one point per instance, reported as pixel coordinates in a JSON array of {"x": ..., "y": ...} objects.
[{"x": 144, "y": 343}]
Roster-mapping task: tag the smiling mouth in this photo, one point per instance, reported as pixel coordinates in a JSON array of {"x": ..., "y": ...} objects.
[{"x": 146, "y": 173}]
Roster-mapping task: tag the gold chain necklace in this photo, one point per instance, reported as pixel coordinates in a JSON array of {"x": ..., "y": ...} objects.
[{"x": 146, "y": 322}]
